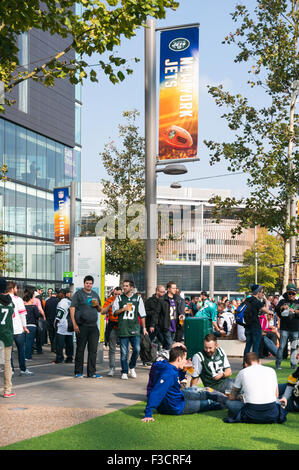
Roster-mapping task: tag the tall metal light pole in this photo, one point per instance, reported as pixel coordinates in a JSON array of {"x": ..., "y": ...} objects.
[
  {"x": 290, "y": 246},
  {"x": 150, "y": 159},
  {"x": 293, "y": 203}
]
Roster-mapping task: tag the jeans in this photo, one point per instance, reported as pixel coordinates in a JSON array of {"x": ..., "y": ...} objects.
[
  {"x": 52, "y": 333},
  {"x": 234, "y": 406},
  {"x": 253, "y": 335},
  {"x": 270, "y": 345},
  {"x": 7, "y": 370},
  {"x": 40, "y": 333},
  {"x": 29, "y": 340},
  {"x": 124, "y": 351},
  {"x": 64, "y": 341},
  {"x": 165, "y": 337},
  {"x": 284, "y": 336},
  {"x": 112, "y": 348},
  {"x": 198, "y": 400},
  {"x": 20, "y": 343},
  {"x": 88, "y": 335}
]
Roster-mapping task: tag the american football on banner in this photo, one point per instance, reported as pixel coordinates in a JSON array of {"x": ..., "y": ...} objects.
[
  {"x": 178, "y": 96},
  {"x": 62, "y": 216}
]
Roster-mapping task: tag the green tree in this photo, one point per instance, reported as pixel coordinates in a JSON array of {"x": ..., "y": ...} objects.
[
  {"x": 270, "y": 254},
  {"x": 264, "y": 136},
  {"x": 124, "y": 192},
  {"x": 3, "y": 254},
  {"x": 98, "y": 28}
]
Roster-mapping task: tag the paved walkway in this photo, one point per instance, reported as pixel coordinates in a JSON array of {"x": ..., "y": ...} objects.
[{"x": 53, "y": 399}]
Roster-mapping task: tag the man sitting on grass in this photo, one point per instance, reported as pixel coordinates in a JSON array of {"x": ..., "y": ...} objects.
[
  {"x": 212, "y": 366},
  {"x": 289, "y": 392},
  {"x": 166, "y": 395},
  {"x": 259, "y": 387}
]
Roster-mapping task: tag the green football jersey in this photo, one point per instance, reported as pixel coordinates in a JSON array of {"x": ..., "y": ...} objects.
[
  {"x": 206, "y": 367},
  {"x": 6, "y": 326},
  {"x": 128, "y": 323}
]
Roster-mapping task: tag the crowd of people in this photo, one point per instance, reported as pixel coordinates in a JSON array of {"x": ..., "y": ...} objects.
[{"x": 270, "y": 325}]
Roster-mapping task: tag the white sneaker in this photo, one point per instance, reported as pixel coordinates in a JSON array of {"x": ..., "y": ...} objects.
[
  {"x": 111, "y": 372},
  {"x": 124, "y": 376},
  {"x": 26, "y": 372},
  {"x": 132, "y": 374}
]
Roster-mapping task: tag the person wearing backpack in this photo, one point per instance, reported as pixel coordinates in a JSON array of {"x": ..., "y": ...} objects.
[{"x": 257, "y": 304}]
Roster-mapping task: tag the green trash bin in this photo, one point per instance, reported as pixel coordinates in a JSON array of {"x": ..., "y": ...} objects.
[{"x": 196, "y": 330}]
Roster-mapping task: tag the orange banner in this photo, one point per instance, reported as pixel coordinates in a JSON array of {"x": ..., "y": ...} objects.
[{"x": 178, "y": 99}]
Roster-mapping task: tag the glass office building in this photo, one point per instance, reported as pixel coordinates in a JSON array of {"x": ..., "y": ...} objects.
[{"x": 40, "y": 142}]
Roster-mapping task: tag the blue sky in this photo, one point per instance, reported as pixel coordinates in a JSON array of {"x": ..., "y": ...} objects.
[{"x": 103, "y": 102}]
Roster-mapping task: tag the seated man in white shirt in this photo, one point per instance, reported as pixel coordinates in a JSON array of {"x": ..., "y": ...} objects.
[{"x": 259, "y": 387}]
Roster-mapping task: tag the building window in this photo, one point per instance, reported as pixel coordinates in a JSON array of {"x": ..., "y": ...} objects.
[
  {"x": 78, "y": 123},
  {"x": 23, "y": 61}
]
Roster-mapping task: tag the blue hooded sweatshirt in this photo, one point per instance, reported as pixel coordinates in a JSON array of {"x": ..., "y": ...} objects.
[{"x": 166, "y": 395}]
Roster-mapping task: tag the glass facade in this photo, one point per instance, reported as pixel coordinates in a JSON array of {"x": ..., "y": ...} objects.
[
  {"x": 36, "y": 164},
  {"x": 23, "y": 61},
  {"x": 188, "y": 277}
]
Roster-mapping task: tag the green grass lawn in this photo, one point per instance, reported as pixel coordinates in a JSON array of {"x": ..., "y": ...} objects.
[{"x": 124, "y": 430}]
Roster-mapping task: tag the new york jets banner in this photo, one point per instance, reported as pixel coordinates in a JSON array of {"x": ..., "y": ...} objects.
[
  {"x": 178, "y": 97},
  {"x": 62, "y": 216}
]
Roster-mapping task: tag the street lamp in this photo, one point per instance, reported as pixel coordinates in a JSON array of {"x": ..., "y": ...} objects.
[
  {"x": 173, "y": 169},
  {"x": 151, "y": 169},
  {"x": 176, "y": 185}
]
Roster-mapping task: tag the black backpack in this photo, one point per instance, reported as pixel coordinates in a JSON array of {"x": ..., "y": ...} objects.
[
  {"x": 244, "y": 314},
  {"x": 148, "y": 351}
]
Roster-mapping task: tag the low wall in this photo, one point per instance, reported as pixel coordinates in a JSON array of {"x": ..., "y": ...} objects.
[{"x": 232, "y": 347}]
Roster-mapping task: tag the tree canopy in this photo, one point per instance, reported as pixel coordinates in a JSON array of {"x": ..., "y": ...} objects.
[
  {"x": 264, "y": 135},
  {"x": 269, "y": 252},
  {"x": 88, "y": 26}
]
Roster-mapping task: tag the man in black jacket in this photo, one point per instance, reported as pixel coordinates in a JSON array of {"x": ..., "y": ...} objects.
[
  {"x": 170, "y": 310},
  {"x": 152, "y": 308},
  {"x": 50, "y": 312},
  {"x": 253, "y": 329},
  {"x": 287, "y": 310}
]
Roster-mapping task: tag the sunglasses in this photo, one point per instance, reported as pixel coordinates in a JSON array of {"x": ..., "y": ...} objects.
[{"x": 291, "y": 293}]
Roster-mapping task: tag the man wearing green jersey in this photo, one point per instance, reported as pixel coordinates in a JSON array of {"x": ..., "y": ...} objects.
[
  {"x": 129, "y": 308},
  {"x": 6, "y": 336},
  {"x": 209, "y": 311},
  {"x": 212, "y": 366}
]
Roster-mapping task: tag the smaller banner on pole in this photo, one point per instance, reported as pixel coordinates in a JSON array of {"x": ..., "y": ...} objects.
[
  {"x": 178, "y": 97},
  {"x": 62, "y": 216}
]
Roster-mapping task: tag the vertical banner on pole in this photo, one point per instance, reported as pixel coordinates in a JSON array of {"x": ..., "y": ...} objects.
[
  {"x": 178, "y": 97},
  {"x": 62, "y": 216}
]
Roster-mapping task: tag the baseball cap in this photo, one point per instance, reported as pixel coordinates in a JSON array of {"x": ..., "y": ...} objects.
[
  {"x": 291, "y": 288},
  {"x": 255, "y": 288}
]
